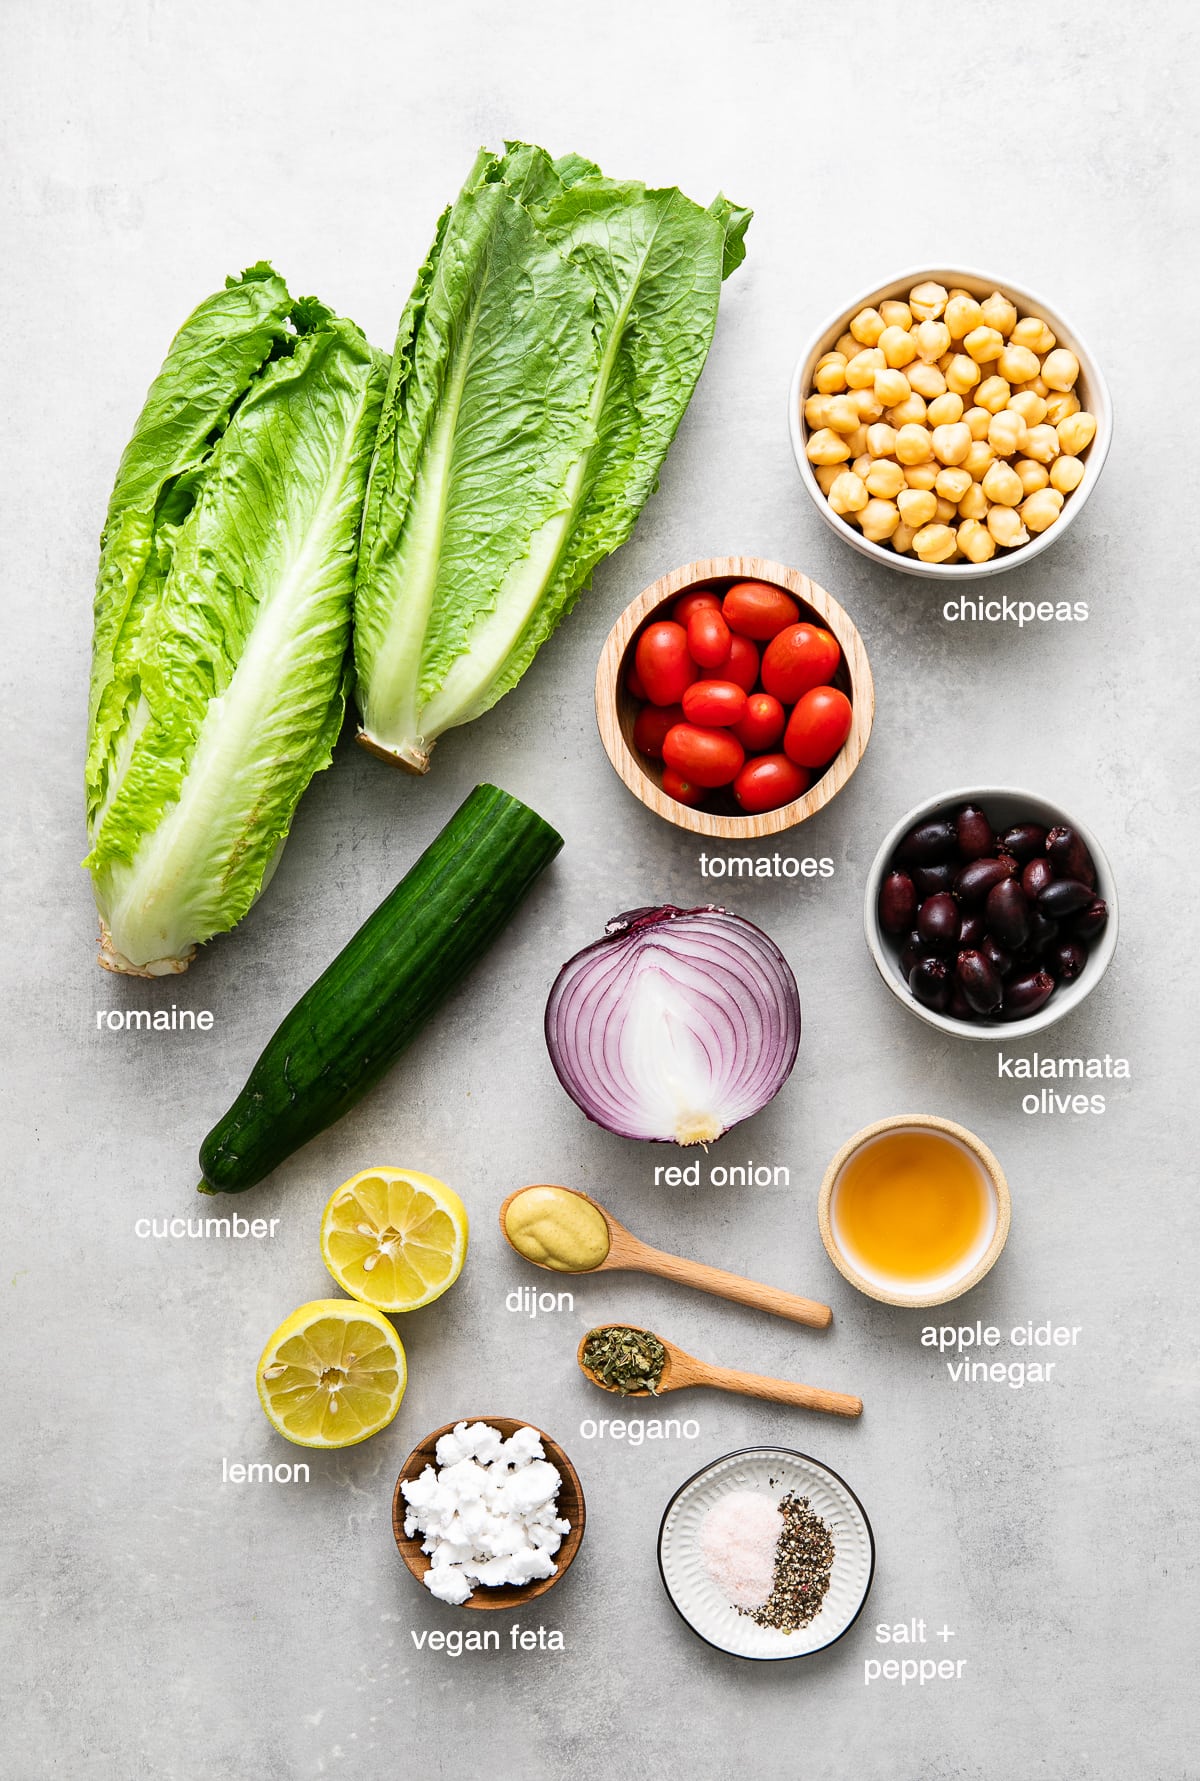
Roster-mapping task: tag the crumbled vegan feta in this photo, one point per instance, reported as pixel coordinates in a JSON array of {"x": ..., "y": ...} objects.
[{"x": 488, "y": 1513}]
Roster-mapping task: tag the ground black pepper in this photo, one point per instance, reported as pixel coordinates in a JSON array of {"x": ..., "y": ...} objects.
[{"x": 803, "y": 1568}]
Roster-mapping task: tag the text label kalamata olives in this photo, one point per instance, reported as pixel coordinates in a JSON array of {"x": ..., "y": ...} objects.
[
  {"x": 927, "y": 844},
  {"x": 897, "y": 903},
  {"x": 1024, "y": 841},
  {"x": 1069, "y": 857},
  {"x": 976, "y": 879},
  {"x": 974, "y": 833},
  {"x": 1007, "y": 913}
]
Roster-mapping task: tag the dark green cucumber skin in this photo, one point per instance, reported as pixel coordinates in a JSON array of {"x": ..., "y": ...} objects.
[{"x": 347, "y": 1031}]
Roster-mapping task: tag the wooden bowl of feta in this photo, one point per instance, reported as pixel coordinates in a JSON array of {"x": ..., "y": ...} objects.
[{"x": 491, "y": 1476}]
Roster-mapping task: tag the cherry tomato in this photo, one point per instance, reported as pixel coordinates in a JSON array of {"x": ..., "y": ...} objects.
[
  {"x": 663, "y": 664},
  {"x": 684, "y": 791},
  {"x": 742, "y": 666},
  {"x": 818, "y": 726},
  {"x": 709, "y": 638},
  {"x": 800, "y": 657},
  {"x": 653, "y": 722},
  {"x": 756, "y": 609},
  {"x": 704, "y": 599},
  {"x": 716, "y": 702},
  {"x": 706, "y": 757},
  {"x": 635, "y": 686},
  {"x": 768, "y": 782},
  {"x": 761, "y": 724}
]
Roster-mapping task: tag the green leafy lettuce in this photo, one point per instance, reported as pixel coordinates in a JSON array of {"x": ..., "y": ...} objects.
[
  {"x": 543, "y": 363},
  {"x": 222, "y": 613}
]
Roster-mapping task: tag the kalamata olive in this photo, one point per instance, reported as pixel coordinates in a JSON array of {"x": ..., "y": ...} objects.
[
  {"x": 938, "y": 921},
  {"x": 930, "y": 981},
  {"x": 1067, "y": 959},
  {"x": 958, "y": 1007},
  {"x": 973, "y": 931},
  {"x": 1007, "y": 914},
  {"x": 974, "y": 833},
  {"x": 1000, "y": 961},
  {"x": 912, "y": 952},
  {"x": 1069, "y": 857},
  {"x": 1066, "y": 896},
  {"x": 929, "y": 880},
  {"x": 1089, "y": 925},
  {"x": 928, "y": 843},
  {"x": 1024, "y": 841},
  {"x": 897, "y": 903},
  {"x": 974, "y": 882},
  {"x": 980, "y": 982},
  {"x": 1036, "y": 876},
  {"x": 1042, "y": 933},
  {"x": 1025, "y": 995}
]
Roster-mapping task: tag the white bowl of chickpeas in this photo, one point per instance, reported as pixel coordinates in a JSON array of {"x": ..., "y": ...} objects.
[{"x": 949, "y": 424}]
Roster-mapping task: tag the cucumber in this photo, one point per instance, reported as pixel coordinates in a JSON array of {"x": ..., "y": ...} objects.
[{"x": 347, "y": 1031}]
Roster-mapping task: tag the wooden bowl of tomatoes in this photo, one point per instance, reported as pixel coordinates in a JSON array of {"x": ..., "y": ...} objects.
[{"x": 734, "y": 697}]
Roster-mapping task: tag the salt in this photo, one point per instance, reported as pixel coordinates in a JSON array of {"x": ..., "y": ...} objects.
[{"x": 738, "y": 1538}]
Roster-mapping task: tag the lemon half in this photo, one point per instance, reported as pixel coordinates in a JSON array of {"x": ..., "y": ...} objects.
[
  {"x": 332, "y": 1374},
  {"x": 394, "y": 1238}
]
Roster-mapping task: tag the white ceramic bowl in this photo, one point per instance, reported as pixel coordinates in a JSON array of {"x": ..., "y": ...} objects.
[
  {"x": 1090, "y": 388},
  {"x": 1004, "y": 806}
]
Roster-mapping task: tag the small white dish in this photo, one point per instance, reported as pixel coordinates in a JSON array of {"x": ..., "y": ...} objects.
[
  {"x": 1005, "y": 806},
  {"x": 774, "y": 1471},
  {"x": 1090, "y": 388}
]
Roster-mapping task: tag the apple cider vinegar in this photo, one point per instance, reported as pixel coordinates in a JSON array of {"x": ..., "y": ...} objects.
[{"x": 913, "y": 1207}]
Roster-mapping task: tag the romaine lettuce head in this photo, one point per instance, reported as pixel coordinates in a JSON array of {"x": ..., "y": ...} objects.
[{"x": 222, "y": 614}]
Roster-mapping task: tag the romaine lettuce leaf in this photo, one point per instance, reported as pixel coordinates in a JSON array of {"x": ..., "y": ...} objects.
[
  {"x": 223, "y": 614},
  {"x": 543, "y": 363}
]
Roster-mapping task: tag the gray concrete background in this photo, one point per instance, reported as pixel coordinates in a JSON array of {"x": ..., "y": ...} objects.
[{"x": 159, "y": 1624}]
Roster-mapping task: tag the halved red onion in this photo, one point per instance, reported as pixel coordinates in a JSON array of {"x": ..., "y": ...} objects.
[{"x": 675, "y": 1026}]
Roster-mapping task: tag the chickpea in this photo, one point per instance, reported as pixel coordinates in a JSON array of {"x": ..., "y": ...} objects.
[
  {"x": 921, "y": 476},
  {"x": 1031, "y": 408},
  {"x": 1042, "y": 442},
  {"x": 827, "y": 447},
  {"x": 848, "y": 493},
  {"x": 945, "y": 511},
  {"x": 1060, "y": 369},
  {"x": 860, "y": 371},
  {"x": 861, "y": 466},
  {"x": 891, "y": 387},
  {"x": 974, "y": 504},
  {"x": 867, "y": 405},
  {"x": 1066, "y": 474},
  {"x": 914, "y": 444},
  {"x": 962, "y": 314},
  {"x": 945, "y": 410},
  {"x": 933, "y": 340},
  {"x": 1004, "y": 524},
  {"x": 826, "y": 475},
  {"x": 1076, "y": 433},
  {"x": 896, "y": 314},
  {"x": 984, "y": 345},
  {"x": 993, "y": 394},
  {"x": 1006, "y": 432},
  {"x": 879, "y": 520},
  {"x": 881, "y": 440},
  {"x": 979, "y": 459},
  {"x": 847, "y": 345},
  {"x": 975, "y": 541},
  {"x": 1060, "y": 405},
  {"x": 951, "y": 444},
  {"x": 830, "y": 375},
  {"x": 1033, "y": 332},
  {"x": 946, "y": 360},
  {"x": 857, "y": 441},
  {"x": 927, "y": 380},
  {"x": 909, "y": 412},
  {"x": 1033, "y": 475},
  {"x": 902, "y": 538},
  {"x": 898, "y": 347},
  {"x": 934, "y": 544},
  {"x": 867, "y": 326},
  {"x": 927, "y": 300},
  {"x": 916, "y": 506},
  {"x": 978, "y": 419},
  {"x": 1002, "y": 485},
  {"x": 1039, "y": 386},
  {"x": 999, "y": 313},
  {"x": 1041, "y": 509},
  {"x": 886, "y": 479},
  {"x": 816, "y": 411},
  {"x": 1018, "y": 364},
  {"x": 962, "y": 374},
  {"x": 952, "y": 483},
  {"x": 841, "y": 414}
]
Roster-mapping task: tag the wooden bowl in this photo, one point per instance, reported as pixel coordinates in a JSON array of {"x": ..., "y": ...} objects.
[
  {"x": 616, "y": 709},
  {"x": 570, "y": 1505}
]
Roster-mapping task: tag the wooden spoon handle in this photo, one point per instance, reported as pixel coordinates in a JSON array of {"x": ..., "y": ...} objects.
[
  {"x": 729, "y": 1286},
  {"x": 780, "y": 1391}
]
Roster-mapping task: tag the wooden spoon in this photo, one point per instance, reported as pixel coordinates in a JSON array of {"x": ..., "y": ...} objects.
[
  {"x": 683, "y": 1370},
  {"x": 627, "y": 1251}
]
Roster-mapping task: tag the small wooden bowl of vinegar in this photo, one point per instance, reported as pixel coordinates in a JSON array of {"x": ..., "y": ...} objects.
[{"x": 914, "y": 1210}]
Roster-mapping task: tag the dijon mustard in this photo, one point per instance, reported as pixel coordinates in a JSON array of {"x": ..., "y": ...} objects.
[{"x": 557, "y": 1228}]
